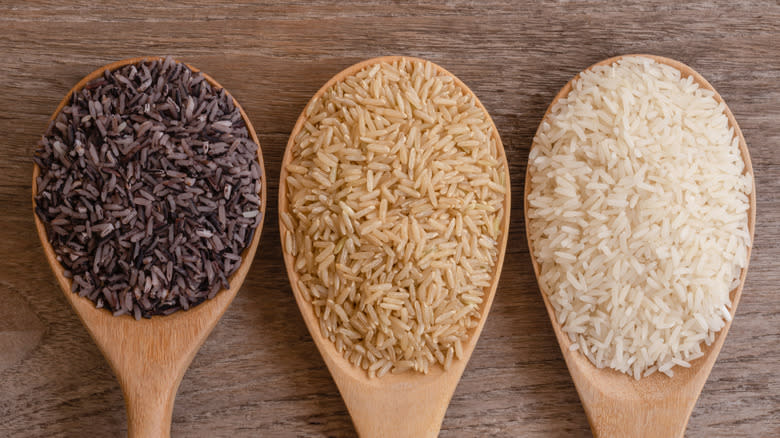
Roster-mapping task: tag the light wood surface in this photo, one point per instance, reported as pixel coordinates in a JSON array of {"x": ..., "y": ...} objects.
[
  {"x": 409, "y": 404},
  {"x": 149, "y": 356},
  {"x": 259, "y": 372},
  {"x": 616, "y": 404}
]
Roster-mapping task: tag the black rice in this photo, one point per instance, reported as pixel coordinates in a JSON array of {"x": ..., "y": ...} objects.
[{"x": 149, "y": 189}]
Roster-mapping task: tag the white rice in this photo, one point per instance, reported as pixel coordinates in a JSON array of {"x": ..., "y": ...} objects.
[
  {"x": 395, "y": 200},
  {"x": 638, "y": 215}
]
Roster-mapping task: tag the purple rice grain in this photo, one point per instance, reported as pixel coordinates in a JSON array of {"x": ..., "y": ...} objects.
[{"x": 149, "y": 189}]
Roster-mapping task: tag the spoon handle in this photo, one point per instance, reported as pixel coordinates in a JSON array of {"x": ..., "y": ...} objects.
[
  {"x": 639, "y": 419},
  {"x": 398, "y": 412},
  {"x": 638, "y": 413},
  {"x": 149, "y": 401}
]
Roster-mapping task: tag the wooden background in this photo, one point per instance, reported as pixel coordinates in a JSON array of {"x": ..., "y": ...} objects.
[{"x": 259, "y": 374}]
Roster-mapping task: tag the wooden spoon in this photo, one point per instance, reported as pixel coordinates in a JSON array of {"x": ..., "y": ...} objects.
[
  {"x": 150, "y": 356},
  {"x": 407, "y": 404},
  {"x": 616, "y": 404}
]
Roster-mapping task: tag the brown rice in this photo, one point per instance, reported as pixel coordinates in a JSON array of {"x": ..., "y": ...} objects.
[{"x": 395, "y": 196}]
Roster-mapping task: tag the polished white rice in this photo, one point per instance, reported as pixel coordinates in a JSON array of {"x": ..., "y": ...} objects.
[{"x": 638, "y": 215}]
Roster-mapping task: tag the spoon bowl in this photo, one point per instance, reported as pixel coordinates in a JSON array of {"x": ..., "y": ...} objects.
[
  {"x": 149, "y": 356},
  {"x": 407, "y": 404},
  {"x": 616, "y": 404}
]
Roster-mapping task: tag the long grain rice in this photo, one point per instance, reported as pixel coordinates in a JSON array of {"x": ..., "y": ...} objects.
[
  {"x": 638, "y": 215},
  {"x": 148, "y": 189},
  {"x": 395, "y": 196}
]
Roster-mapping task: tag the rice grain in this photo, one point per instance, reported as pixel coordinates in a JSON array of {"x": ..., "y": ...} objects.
[
  {"x": 395, "y": 193},
  {"x": 638, "y": 215},
  {"x": 148, "y": 207}
]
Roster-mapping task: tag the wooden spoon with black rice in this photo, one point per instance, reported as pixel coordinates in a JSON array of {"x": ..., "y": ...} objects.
[{"x": 149, "y": 198}]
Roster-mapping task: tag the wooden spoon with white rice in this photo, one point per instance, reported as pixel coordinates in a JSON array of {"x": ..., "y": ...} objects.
[{"x": 640, "y": 211}]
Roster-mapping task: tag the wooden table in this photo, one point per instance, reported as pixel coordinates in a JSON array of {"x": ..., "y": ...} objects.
[{"x": 259, "y": 374}]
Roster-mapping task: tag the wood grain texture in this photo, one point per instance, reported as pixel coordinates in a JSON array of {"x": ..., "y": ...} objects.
[{"x": 259, "y": 373}]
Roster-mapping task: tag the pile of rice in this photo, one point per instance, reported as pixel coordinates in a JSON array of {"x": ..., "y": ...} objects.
[
  {"x": 149, "y": 189},
  {"x": 395, "y": 197},
  {"x": 638, "y": 215}
]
